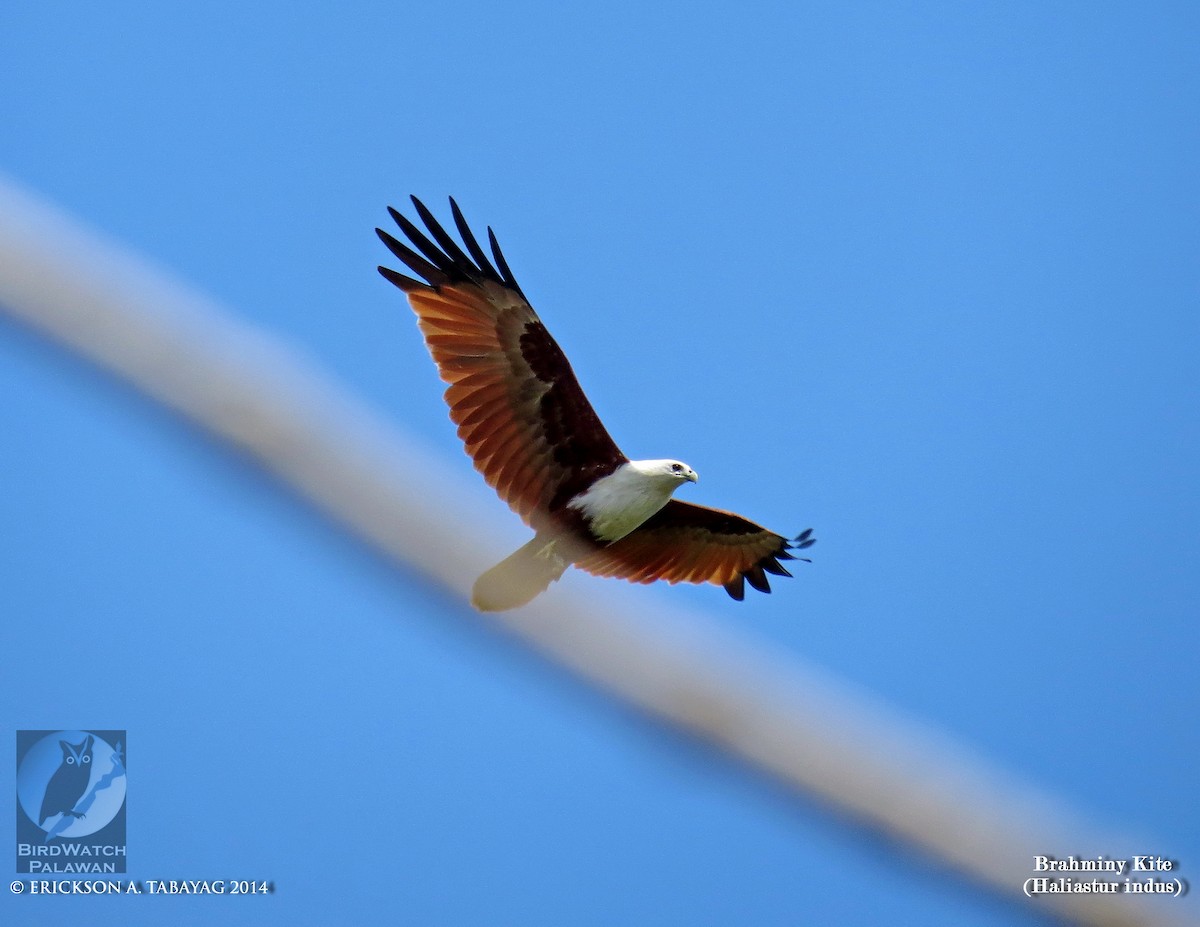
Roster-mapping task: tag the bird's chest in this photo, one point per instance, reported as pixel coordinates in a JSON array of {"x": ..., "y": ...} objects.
[{"x": 617, "y": 504}]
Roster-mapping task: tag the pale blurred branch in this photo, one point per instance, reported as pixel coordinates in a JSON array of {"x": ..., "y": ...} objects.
[{"x": 768, "y": 709}]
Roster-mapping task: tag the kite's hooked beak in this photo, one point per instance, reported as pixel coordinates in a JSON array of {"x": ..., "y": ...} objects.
[{"x": 692, "y": 477}]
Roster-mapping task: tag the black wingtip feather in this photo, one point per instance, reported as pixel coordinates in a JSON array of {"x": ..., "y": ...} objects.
[
  {"x": 471, "y": 242},
  {"x": 772, "y": 565},
  {"x": 414, "y": 261},
  {"x": 407, "y": 284},
  {"x": 757, "y": 578},
  {"x": 756, "y": 575},
  {"x": 436, "y": 256},
  {"x": 448, "y": 244},
  {"x": 507, "y": 274},
  {"x": 441, "y": 259}
]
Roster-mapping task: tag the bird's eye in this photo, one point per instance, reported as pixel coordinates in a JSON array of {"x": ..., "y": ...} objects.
[
  {"x": 678, "y": 468},
  {"x": 86, "y": 759},
  {"x": 70, "y": 761}
]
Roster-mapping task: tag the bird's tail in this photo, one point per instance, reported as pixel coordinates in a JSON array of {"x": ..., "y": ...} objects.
[{"x": 519, "y": 577}]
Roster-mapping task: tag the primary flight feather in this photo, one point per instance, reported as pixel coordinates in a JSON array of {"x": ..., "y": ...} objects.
[{"x": 537, "y": 441}]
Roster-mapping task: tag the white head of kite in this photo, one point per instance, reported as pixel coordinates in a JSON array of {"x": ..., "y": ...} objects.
[{"x": 532, "y": 433}]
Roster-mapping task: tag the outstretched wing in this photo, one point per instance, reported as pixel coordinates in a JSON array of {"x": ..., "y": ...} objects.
[
  {"x": 519, "y": 409},
  {"x": 685, "y": 543}
]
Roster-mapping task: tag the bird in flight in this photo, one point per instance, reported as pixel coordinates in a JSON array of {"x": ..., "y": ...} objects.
[{"x": 534, "y": 436}]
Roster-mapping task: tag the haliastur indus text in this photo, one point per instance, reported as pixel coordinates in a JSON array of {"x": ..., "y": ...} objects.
[{"x": 537, "y": 441}]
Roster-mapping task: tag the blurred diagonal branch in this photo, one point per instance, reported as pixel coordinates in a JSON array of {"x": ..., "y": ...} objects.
[{"x": 776, "y": 715}]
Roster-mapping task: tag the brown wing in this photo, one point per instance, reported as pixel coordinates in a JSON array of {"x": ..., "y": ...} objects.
[
  {"x": 685, "y": 543},
  {"x": 519, "y": 409}
]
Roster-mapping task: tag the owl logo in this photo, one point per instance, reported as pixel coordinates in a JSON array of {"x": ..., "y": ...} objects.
[{"x": 69, "y": 782}]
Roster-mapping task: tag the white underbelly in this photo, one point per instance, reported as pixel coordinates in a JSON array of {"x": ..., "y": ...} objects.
[{"x": 618, "y": 503}]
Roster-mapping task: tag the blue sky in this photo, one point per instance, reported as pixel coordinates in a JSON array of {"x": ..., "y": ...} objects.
[{"x": 922, "y": 276}]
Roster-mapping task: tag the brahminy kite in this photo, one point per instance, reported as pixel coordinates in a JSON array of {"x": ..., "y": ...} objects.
[{"x": 537, "y": 441}]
